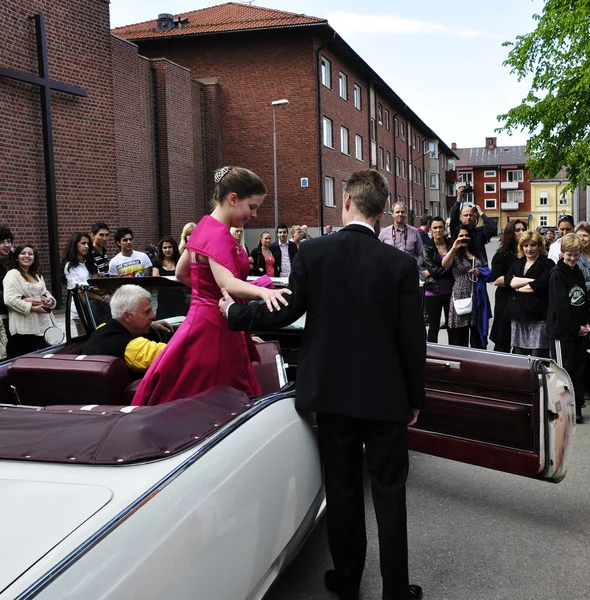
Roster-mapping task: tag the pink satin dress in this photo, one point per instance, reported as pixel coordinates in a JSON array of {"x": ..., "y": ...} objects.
[{"x": 204, "y": 353}]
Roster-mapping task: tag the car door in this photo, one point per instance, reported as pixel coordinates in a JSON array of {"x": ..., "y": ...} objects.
[{"x": 501, "y": 411}]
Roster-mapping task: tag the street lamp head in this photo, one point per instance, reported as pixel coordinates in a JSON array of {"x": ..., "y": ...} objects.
[{"x": 283, "y": 102}]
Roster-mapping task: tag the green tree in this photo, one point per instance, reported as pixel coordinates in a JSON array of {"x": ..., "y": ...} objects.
[{"x": 556, "y": 111}]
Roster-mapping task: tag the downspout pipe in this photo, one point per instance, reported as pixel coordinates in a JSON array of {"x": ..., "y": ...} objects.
[{"x": 157, "y": 159}]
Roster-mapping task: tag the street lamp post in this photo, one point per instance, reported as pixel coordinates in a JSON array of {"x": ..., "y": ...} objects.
[{"x": 276, "y": 103}]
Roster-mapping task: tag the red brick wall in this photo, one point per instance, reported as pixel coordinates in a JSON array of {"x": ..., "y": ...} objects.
[
  {"x": 79, "y": 46},
  {"x": 276, "y": 65}
]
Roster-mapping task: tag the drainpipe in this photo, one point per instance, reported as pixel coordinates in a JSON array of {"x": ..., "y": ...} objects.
[
  {"x": 394, "y": 158},
  {"x": 159, "y": 208}
]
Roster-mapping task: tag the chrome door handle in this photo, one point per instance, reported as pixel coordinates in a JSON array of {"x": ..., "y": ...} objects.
[{"x": 447, "y": 364}]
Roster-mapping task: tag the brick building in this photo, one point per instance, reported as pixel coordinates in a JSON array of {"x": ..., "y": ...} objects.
[
  {"x": 500, "y": 180},
  {"x": 341, "y": 115}
]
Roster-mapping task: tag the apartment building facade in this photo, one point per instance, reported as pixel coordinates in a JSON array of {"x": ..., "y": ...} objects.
[
  {"x": 549, "y": 200},
  {"x": 341, "y": 115}
]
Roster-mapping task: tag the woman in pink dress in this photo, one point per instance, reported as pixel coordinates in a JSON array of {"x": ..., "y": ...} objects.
[{"x": 204, "y": 353}]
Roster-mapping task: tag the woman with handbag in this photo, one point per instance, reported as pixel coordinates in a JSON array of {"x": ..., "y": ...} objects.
[
  {"x": 29, "y": 303},
  {"x": 466, "y": 263},
  {"x": 438, "y": 284},
  {"x": 504, "y": 258},
  {"x": 528, "y": 279}
]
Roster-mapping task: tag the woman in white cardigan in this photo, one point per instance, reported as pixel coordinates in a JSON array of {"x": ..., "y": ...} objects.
[{"x": 29, "y": 303}]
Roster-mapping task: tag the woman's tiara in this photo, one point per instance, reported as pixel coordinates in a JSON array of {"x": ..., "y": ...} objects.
[{"x": 219, "y": 175}]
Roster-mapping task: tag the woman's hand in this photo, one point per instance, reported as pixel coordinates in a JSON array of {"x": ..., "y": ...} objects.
[
  {"x": 274, "y": 298},
  {"x": 38, "y": 309},
  {"x": 475, "y": 272},
  {"x": 33, "y": 301}
]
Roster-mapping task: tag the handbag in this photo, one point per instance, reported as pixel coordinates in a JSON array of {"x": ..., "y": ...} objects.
[{"x": 464, "y": 306}]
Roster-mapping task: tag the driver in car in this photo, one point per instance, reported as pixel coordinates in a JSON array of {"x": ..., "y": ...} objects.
[{"x": 126, "y": 334}]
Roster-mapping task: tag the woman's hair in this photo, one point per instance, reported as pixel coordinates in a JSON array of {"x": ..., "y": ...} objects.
[
  {"x": 175, "y": 251},
  {"x": 294, "y": 230},
  {"x": 582, "y": 226},
  {"x": 532, "y": 236},
  {"x": 233, "y": 230},
  {"x": 126, "y": 299},
  {"x": 261, "y": 236},
  {"x": 570, "y": 242},
  {"x": 508, "y": 242},
  {"x": 34, "y": 269},
  {"x": 70, "y": 256},
  {"x": 186, "y": 231},
  {"x": 471, "y": 246},
  {"x": 236, "y": 180}
]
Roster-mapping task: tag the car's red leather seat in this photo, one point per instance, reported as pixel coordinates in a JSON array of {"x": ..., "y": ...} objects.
[{"x": 69, "y": 379}]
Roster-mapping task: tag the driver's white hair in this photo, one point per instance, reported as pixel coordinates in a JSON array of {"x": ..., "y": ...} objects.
[{"x": 126, "y": 299}]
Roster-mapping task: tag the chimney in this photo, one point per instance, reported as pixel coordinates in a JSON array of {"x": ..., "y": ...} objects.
[
  {"x": 453, "y": 146},
  {"x": 491, "y": 143},
  {"x": 165, "y": 22}
]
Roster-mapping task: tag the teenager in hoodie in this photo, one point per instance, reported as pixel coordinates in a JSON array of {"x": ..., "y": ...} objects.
[{"x": 568, "y": 316}]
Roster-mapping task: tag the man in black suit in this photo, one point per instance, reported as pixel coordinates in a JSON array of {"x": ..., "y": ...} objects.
[{"x": 361, "y": 369}]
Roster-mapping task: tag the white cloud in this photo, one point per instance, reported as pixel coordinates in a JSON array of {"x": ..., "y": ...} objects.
[{"x": 351, "y": 24}]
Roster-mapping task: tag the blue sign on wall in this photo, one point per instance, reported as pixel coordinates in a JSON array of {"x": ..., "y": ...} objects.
[{"x": 305, "y": 182}]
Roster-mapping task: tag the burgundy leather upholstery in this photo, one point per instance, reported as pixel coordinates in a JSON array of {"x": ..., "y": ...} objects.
[
  {"x": 130, "y": 390},
  {"x": 69, "y": 379},
  {"x": 266, "y": 371}
]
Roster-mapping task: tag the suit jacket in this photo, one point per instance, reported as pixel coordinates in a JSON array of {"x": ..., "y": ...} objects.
[
  {"x": 276, "y": 250},
  {"x": 363, "y": 352}
]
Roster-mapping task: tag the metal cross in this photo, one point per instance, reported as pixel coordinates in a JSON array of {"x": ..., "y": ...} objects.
[{"x": 46, "y": 85}]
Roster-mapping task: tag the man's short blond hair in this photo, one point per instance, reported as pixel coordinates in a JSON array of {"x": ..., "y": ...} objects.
[{"x": 369, "y": 191}]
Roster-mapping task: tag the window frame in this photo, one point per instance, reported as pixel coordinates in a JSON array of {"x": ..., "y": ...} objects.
[
  {"x": 328, "y": 179},
  {"x": 508, "y": 175},
  {"x": 381, "y": 158},
  {"x": 344, "y": 132},
  {"x": 331, "y": 132},
  {"x": 343, "y": 85},
  {"x": 545, "y": 197},
  {"x": 326, "y": 72},
  {"x": 489, "y": 191},
  {"x": 434, "y": 178},
  {"x": 358, "y": 139},
  {"x": 488, "y": 206},
  {"x": 543, "y": 221},
  {"x": 388, "y": 161},
  {"x": 380, "y": 114},
  {"x": 387, "y": 120},
  {"x": 511, "y": 193},
  {"x": 487, "y": 174},
  {"x": 358, "y": 97}
]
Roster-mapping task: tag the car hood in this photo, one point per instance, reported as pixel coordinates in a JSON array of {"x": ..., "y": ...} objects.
[{"x": 35, "y": 516}]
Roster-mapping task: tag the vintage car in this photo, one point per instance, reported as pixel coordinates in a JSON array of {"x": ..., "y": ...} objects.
[{"x": 210, "y": 497}]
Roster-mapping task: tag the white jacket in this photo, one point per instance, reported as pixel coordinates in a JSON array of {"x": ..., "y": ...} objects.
[{"x": 21, "y": 320}]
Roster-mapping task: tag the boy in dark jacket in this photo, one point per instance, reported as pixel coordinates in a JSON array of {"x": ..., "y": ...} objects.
[{"x": 567, "y": 318}]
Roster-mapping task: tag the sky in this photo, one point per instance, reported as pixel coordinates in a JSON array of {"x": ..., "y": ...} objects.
[{"x": 444, "y": 59}]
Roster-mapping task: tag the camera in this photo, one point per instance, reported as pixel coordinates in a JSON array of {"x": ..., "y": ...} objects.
[{"x": 467, "y": 189}]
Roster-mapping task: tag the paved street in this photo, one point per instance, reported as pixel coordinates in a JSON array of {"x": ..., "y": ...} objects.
[{"x": 476, "y": 534}]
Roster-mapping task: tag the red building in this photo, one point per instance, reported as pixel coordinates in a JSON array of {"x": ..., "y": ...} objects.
[
  {"x": 341, "y": 116},
  {"x": 500, "y": 180}
]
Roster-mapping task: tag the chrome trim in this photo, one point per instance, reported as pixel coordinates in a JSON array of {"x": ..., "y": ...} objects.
[
  {"x": 447, "y": 364},
  {"x": 204, "y": 447}
]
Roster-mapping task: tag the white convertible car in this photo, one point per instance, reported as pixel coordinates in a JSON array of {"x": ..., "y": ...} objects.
[{"x": 210, "y": 497}]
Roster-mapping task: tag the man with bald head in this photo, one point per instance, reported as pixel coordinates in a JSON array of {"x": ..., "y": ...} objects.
[
  {"x": 402, "y": 236},
  {"x": 469, "y": 216}
]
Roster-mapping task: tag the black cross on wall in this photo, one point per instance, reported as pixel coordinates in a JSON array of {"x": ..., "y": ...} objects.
[{"x": 46, "y": 85}]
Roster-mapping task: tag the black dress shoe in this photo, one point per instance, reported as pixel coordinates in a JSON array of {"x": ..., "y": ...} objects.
[
  {"x": 334, "y": 584},
  {"x": 579, "y": 417},
  {"x": 415, "y": 592}
]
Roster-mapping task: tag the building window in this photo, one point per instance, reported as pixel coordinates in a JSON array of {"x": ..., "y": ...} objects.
[
  {"x": 403, "y": 168},
  {"x": 489, "y": 173},
  {"x": 543, "y": 220},
  {"x": 387, "y": 125},
  {"x": 388, "y": 162},
  {"x": 466, "y": 176},
  {"x": 380, "y": 114},
  {"x": 489, "y": 188},
  {"x": 344, "y": 147},
  {"x": 396, "y": 127},
  {"x": 358, "y": 146},
  {"x": 402, "y": 131},
  {"x": 562, "y": 199},
  {"x": 433, "y": 149},
  {"x": 326, "y": 72},
  {"x": 328, "y": 140},
  {"x": 357, "y": 97},
  {"x": 543, "y": 198},
  {"x": 410, "y": 171},
  {"x": 418, "y": 176},
  {"x": 343, "y": 190},
  {"x": 451, "y": 164},
  {"x": 381, "y": 158},
  {"x": 413, "y": 140},
  {"x": 397, "y": 165},
  {"x": 515, "y": 196},
  {"x": 373, "y": 132},
  {"x": 343, "y": 86},
  {"x": 329, "y": 191},
  {"x": 434, "y": 181},
  {"x": 490, "y": 204},
  {"x": 517, "y": 175},
  {"x": 418, "y": 142}
]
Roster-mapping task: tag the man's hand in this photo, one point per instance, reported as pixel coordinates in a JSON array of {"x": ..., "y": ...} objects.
[
  {"x": 224, "y": 302},
  {"x": 426, "y": 273},
  {"x": 415, "y": 413},
  {"x": 460, "y": 193},
  {"x": 163, "y": 328}
]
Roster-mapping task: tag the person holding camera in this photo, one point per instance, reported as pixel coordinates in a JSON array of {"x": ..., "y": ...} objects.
[
  {"x": 469, "y": 310},
  {"x": 469, "y": 216}
]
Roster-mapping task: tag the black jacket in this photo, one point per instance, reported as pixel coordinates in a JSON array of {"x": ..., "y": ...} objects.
[
  {"x": 433, "y": 263},
  {"x": 276, "y": 250},
  {"x": 568, "y": 307},
  {"x": 363, "y": 352},
  {"x": 259, "y": 266},
  {"x": 481, "y": 235},
  {"x": 529, "y": 307}
]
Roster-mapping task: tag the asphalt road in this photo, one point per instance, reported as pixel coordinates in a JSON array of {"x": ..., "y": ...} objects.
[{"x": 475, "y": 534}]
